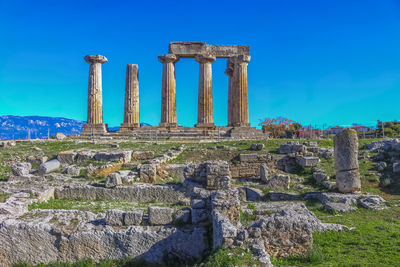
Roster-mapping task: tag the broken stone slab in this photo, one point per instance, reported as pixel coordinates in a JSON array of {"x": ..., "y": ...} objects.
[
  {"x": 83, "y": 156},
  {"x": 113, "y": 180},
  {"x": 49, "y": 166},
  {"x": 72, "y": 170},
  {"x": 115, "y": 217},
  {"x": 320, "y": 176},
  {"x": 66, "y": 157},
  {"x": 308, "y": 162},
  {"x": 348, "y": 181},
  {"x": 277, "y": 196},
  {"x": 36, "y": 159},
  {"x": 325, "y": 152},
  {"x": 142, "y": 155},
  {"x": 279, "y": 182},
  {"x": 254, "y": 194},
  {"x": 21, "y": 168},
  {"x": 199, "y": 215},
  {"x": 160, "y": 215},
  {"x": 264, "y": 172},
  {"x": 176, "y": 171},
  {"x": 223, "y": 230},
  {"x": 148, "y": 173},
  {"x": 134, "y": 217},
  {"x": 120, "y": 156},
  {"x": 373, "y": 202},
  {"x": 339, "y": 207}
]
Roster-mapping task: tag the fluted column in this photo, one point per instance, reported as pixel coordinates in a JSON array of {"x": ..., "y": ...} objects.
[
  {"x": 131, "y": 110},
  {"x": 240, "y": 114},
  {"x": 168, "y": 98},
  {"x": 229, "y": 72},
  {"x": 205, "y": 102},
  {"x": 94, "y": 123}
]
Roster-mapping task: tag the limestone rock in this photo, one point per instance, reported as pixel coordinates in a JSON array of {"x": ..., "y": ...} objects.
[
  {"x": 373, "y": 202},
  {"x": 199, "y": 215},
  {"x": 148, "y": 173},
  {"x": 49, "y": 166},
  {"x": 348, "y": 181},
  {"x": 66, "y": 157},
  {"x": 72, "y": 170},
  {"x": 120, "y": 156},
  {"x": 218, "y": 175},
  {"x": 320, "y": 176},
  {"x": 160, "y": 215},
  {"x": 115, "y": 217},
  {"x": 254, "y": 194},
  {"x": 279, "y": 182},
  {"x": 21, "y": 168},
  {"x": 197, "y": 203},
  {"x": 257, "y": 147},
  {"x": 36, "y": 159},
  {"x": 308, "y": 162},
  {"x": 133, "y": 217},
  {"x": 264, "y": 172},
  {"x": 83, "y": 156},
  {"x": 339, "y": 207},
  {"x": 183, "y": 215},
  {"x": 113, "y": 180},
  {"x": 142, "y": 155}
]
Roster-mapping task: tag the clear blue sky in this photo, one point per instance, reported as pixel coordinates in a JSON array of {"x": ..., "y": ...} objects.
[{"x": 319, "y": 62}]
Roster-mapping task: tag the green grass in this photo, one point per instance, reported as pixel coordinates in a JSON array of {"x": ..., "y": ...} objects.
[
  {"x": 97, "y": 206},
  {"x": 246, "y": 219},
  {"x": 374, "y": 242},
  {"x": 225, "y": 257}
]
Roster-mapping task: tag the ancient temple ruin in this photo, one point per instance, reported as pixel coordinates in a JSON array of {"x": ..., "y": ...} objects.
[{"x": 238, "y": 57}]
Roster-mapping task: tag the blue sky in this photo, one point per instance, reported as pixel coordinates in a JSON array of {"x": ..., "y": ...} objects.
[{"x": 316, "y": 62}]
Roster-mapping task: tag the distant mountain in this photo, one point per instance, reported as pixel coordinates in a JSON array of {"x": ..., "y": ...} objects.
[{"x": 19, "y": 127}]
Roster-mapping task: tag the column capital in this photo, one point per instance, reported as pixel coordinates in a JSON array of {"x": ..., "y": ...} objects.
[
  {"x": 203, "y": 58},
  {"x": 240, "y": 59},
  {"x": 95, "y": 59},
  {"x": 168, "y": 58}
]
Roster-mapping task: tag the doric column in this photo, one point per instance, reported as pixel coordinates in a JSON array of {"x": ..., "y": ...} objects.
[
  {"x": 240, "y": 113},
  {"x": 94, "y": 123},
  {"x": 168, "y": 98},
  {"x": 131, "y": 110},
  {"x": 205, "y": 103},
  {"x": 229, "y": 72}
]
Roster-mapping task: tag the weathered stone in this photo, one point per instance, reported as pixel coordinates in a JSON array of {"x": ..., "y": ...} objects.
[
  {"x": 279, "y": 182},
  {"x": 254, "y": 194},
  {"x": 308, "y": 162},
  {"x": 264, "y": 172},
  {"x": 183, "y": 215},
  {"x": 227, "y": 203},
  {"x": 278, "y": 196},
  {"x": 66, "y": 157},
  {"x": 131, "y": 108},
  {"x": 36, "y": 159},
  {"x": 197, "y": 203},
  {"x": 115, "y": 217},
  {"x": 60, "y": 136},
  {"x": 83, "y": 156},
  {"x": 373, "y": 202},
  {"x": 223, "y": 229},
  {"x": 177, "y": 171},
  {"x": 148, "y": 173},
  {"x": 396, "y": 167},
  {"x": 120, "y": 156},
  {"x": 133, "y": 217},
  {"x": 21, "y": 168},
  {"x": 348, "y": 181},
  {"x": 113, "y": 180},
  {"x": 218, "y": 175},
  {"x": 328, "y": 185},
  {"x": 72, "y": 170},
  {"x": 199, "y": 215},
  {"x": 257, "y": 147},
  {"x": 160, "y": 215},
  {"x": 339, "y": 207},
  {"x": 142, "y": 155},
  {"x": 320, "y": 177},
  {"x": 346, "y": 150},
  {"x": 49, "y": 166}
]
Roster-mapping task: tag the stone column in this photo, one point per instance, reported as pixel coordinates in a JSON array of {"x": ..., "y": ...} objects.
[
  {"x": 168, "y": 100},
  {"x": 95, "y": 125},
  {"x": 346, "y": 161},
  {"x": 205, "y": 103},
  {"x": 229, "y": 72},
  {"x": 131, "y": 110},
  {"x": 240, "y": 110}
]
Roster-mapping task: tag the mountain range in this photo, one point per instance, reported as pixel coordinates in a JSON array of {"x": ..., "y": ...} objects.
[{"x": 23, "y": 127}]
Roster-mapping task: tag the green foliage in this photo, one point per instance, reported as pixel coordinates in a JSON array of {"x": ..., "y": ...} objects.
[
  {"x": 246, "y": 219},
  {"x": 225, "y": 257}
]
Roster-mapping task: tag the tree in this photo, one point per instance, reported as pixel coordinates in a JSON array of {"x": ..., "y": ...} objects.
[{"x": 280, "y": 126}]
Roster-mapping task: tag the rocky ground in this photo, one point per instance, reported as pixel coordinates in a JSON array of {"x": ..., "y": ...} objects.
[{"x": 264, "y": 203}]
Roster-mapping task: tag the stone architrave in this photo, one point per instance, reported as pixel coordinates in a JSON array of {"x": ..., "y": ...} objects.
[
  {"x": 229, "y": 72},
  {"x": 240, "y": 108},
  {"x": 346, "y": 161},
  {"x": 168, "y": 100},
  {"x": 95, "y": 123},
  {"x": 205, "y": 102},
  {"x": 131, "y": 110}
]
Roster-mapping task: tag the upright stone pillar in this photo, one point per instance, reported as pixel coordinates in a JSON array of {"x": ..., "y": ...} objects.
[
  {"x": 95, "y": 125},
  {"x": 346, "y": 161},
  {"x": 240, "y": 110},
  {"x": 229, "y": 72},
  {"x": 168, "y": 100},
  {"x": 205, "y": 102},
  {"x": 131, "y": 110}
]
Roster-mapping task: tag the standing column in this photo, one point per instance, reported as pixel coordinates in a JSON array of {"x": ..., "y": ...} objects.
[
  {"x": 229, "y": 72},
  {"x": 168, "y": 98},
  {"x": 95, "y": 125},
  {"x": 240, "y": 113},
  {"x": 131, "y": 110},
  {"x": 205, "y": 103}
]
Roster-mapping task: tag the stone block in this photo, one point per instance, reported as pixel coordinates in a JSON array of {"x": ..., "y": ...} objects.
[
  {"x": 133, "y": 217},
  {"x": 72, "y": 170},
  {"x": 66, "y": 157},
  {"x": 348, "y": 181},
  {"x": 120, "y": 156},
  {"x": 320, "y": 176},
  {"x": 257, "y": 147},
  {"x": 308, "y": 162},
  {"x": 160, "y": 215},
  {"x": 346, "y": 150},
  {"x": 279, "y": 182},
  {"x": 83, "y": 156},
  {"x": 148, "y": 173},
  {"x": 115, "y": 217},
  {"x": 183, "y": 215},
  {"x": 113, "y": 180},
  {"x": 36, "y": 159},
  {"x": 197, "y": 203},
  {"x": 21, "y": 168},
  {"x": 254, "y": 194},
  {"x": 248, "y": 157},
  {"x": 264, "y": 172},
  {"x": 49, "y": 166},
  {"x": 142, "y": 155},
  {"x": 218, "y": 175}
]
